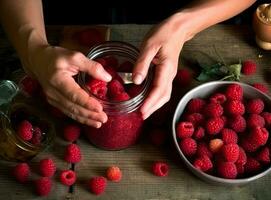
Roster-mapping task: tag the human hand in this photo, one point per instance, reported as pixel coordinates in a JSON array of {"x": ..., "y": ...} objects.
[
  {"x": 55, "y": 67},
  {"x": 161, "y": 47}
]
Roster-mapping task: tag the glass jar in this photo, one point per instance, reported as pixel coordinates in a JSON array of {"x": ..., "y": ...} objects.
[
  {"x": 15, "y": 108},
  {"x": 125, "y": 122}
]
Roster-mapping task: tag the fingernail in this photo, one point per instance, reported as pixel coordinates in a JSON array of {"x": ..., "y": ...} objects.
[
  {"x": 107, "y": 76},
  {"x": 98, "y": 125},
  {"x": 138, "y": 78}
]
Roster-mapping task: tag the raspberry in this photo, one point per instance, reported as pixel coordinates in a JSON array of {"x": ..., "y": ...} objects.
[
  {"x": 230, "y": 152},
  {"x": 72, "y": 153},
  {"x": 255, "y": 120},
  {"x": 242, "y": 159},
  {"x": 29, "y": 85},
  {"x": 199, "y": 133},
  {"x": 97, "y": 185},
  {"x": 195, "y": 105},
  {"x": 255, "y": 106},
  {"x": 218, "y": 98},
  {"x": 249, "y": 146},
  {"x": 25, "y": 130},
  {"x": 126, "y": 66},
  {"x": 214, "y": 125},
  {"x": 248, "y": 67},
  {"x": 264, "y": 156},
  {"x": 260, "y": 86},
  {"x": 157, "y": 137},
  {"x": 88, "y": 37},
  {"x": 43, "y": 186},
  {"x": 235, "y": 107},
  {"x": 134, "y": 90},
  {"x": 252, "y": 166},
  {"x": 47, "y": 167},
  {"x": 229, "y": 136},
  {"x": 114, "y": 174},
  {"x": 183, "y": 78},
  {"x": 202, "y": 149},
  {"x": 37, "y": 136},
  {"x": 67, "y": 177},
  {"x": 71, "y": 132},
  {"x": 227, "y": 170},
  {"x": 185, "y": 129},
  {"x": 215, "y": 145},
  {"x": 121, "y": 97},
  {"x": 203, "y": 163},
  {"x": 234, "y": 92},
  {"x": 97, "y": 88},
  {"x": 213, "y": 110},
  {"x": 267, "y": 118},
  {"x": 21, "y": 172},
  {"x": 114, "y": 74},
  {"x": 258, "y": 136},
  {"x": 188, "y": 146},
  {"x": 240, "y": 169},
  {"x": 115, "y": 88},
  {"x": 160, "y": 168},
  {"x": 195, "y": 118},
  {"x": 237, "y": 123}
]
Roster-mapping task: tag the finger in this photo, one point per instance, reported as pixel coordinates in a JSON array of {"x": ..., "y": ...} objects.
[
  {"x": 77, "y": 110},
  {"x": 82, "y": 120},
  {"x": 91, "y": 67},
  {"x": 143, "y": 62}
]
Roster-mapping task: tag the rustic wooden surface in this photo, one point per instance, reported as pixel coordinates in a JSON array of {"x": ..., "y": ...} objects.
[{"x": 233, "y": 43}]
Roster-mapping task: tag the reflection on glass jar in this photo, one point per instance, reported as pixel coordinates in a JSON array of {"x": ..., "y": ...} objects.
[
  {"x": 17, "y": 110},
  {"x": 121, "y": 102}
]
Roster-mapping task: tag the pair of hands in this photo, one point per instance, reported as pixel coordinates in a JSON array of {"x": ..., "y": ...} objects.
[{"x": 56, "y": 66}]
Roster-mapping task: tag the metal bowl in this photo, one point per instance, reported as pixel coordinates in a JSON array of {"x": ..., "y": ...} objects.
[{"x": 204, "y": 91}]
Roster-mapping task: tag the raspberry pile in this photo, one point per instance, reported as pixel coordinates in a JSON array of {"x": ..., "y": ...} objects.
[{"x": 226, "y": 134}]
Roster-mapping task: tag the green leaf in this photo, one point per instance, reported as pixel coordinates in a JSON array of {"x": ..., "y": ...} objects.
[{"x": 203, "y": 77}]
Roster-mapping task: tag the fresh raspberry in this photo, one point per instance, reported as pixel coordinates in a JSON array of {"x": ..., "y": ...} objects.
[
  {"x": 240, "y": 169},
  {"x": 37, "y": 136},
  {"x": 213, "y": 110},
  {"x": 214, "y": 125},
  {"x": 157, "y": 137},
  {"x": 196, "y": 119},
  {"x": 242, "y": 159},
  {"x": 195, "y": 105},
  {"x": 134, "y": 90},
  {"x": 71, "y": 132},
  {"x": 126, "y": 66},
  {"x": 47, "y": 167},
  {"x": 88, "y": 37},
  {"x": 235, "y": 107},
  {"x": 227, "y": 170},
  {"x": 203, "y": 163},
  {"x": 185, "y": 129},
  {"x": 114, "y": 174},
  {"x": 97, "y": 185},
  {"x": 255, "y": 106},
  {"x": 215, "y": 145},
  {"x": 199, "y": 133},
  {"x": 258, "y": 136},
  {"x": 188, "y": 146},
  {"x": 249, "y": 146},
  {"x": 264, "y": 156},
  {"x": 229, "y": 136},
  {"x": 67, "y": 177},
  {"x": 121, "y": 97},
  {"x": 160, "y": 168},
  {"x": 237, "y": 123},
  {"x": 115, "y": 88},
  {"x": 43, "y": 186},
  {"x": 262, "y": 87},
  {"x": 202, "y": 149},
  {"x": 218, "y": 98},
  {"x": 225, "y": 120},
  {"x": 267, "y": 118},
  {"x": 255, "y": 120},
  {"x": 25, "y": 130},
  {"x": 252, "y": 166},
  {"x": 230, "y": 152},
  {"x": 21, "y": 172},
  {"x": 183, "y": 78},
  {"x": 72, "y": 153},
  {"x": 29, "y": 85},
  {"x": 97, "y": 88},
  {"x": 234, "y": 92},
  {"x": 114, "y": 74},
  {"x": 249, "y": 67}
]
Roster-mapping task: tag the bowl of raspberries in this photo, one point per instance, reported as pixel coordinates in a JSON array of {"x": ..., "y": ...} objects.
[{"x": 221, "y": 131}]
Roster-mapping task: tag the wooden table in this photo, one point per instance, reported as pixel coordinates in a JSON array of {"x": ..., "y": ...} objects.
[{"x": 234, "y": 43}]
